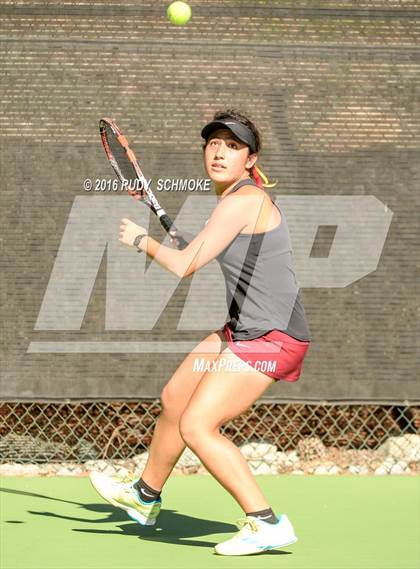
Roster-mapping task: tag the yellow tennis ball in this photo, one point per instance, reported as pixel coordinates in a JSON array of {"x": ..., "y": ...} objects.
[{"x": 179, "y": 13}]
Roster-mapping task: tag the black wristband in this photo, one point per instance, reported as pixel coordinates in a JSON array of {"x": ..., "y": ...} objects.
[{"x": 137, "y": 241}]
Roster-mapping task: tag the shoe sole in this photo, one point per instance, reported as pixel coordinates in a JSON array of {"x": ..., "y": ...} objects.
[
  {"x": 134, "y": 514},
  {"x": 268, "y": 548}
]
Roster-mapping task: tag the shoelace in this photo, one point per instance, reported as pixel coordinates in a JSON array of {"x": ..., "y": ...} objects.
[
  {"x": 126, "y": 480},
  {"x": 129, "y": 480},
  {"x": 247, "y": 524},
  {"x": 129, "y": 477}
]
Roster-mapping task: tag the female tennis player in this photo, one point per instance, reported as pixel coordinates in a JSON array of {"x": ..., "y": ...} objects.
[{"x": 267, "y": 338}]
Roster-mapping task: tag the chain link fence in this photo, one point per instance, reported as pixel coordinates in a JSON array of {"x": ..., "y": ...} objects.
[{"x": 294, "y": 436}]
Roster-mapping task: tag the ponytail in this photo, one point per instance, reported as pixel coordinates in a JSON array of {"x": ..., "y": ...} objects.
[{"x": 261, "y": 179}]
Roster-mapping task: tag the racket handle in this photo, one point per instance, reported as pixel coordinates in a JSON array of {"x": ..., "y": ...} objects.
[
  {"x": 182, "y": 244},
  {"x": 170, "y": 228}
]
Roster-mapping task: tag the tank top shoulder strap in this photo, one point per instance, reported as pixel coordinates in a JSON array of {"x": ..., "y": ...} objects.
[
  {"x": 247, "y": 182},
  {"x": 250, "y": 182}
]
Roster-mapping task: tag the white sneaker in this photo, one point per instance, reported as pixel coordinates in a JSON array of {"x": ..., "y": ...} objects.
[
  {"x": 256, "y": 535},
  {"x": 120, "y": 493}
]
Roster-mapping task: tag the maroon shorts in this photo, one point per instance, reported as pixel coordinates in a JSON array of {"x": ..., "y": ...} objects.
[{"x": 275, "y": 354}]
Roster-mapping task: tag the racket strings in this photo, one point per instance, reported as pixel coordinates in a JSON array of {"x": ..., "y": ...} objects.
[{"x": 125, "y": 166}]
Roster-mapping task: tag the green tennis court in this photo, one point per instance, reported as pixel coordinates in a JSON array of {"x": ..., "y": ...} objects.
[{"x": 341, "y": 522}]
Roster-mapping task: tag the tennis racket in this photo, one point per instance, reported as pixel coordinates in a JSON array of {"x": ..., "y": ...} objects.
[{"x": 127, "y": 168}]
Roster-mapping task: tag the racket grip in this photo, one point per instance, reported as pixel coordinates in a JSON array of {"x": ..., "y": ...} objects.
[
  {"x": 182, "y": 244},
  {"x": 170, "y": 228},
  {"x": 166, "y": 222}
]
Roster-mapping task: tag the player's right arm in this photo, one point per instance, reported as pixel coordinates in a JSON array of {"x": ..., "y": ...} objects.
[{"x": 228, "y": 219}]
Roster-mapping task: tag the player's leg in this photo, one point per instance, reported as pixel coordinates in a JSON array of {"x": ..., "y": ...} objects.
[
  {"x": 221, "y": 396},
  {"x": 167, "y": 444},
  {"x": 141, "y": 498}
]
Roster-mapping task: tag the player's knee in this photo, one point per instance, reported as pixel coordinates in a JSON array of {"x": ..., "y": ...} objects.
[
  {"x": 193, "y": 429},
  {"x": 188, "y": 429},
  {"x": 170, "y": 404}
]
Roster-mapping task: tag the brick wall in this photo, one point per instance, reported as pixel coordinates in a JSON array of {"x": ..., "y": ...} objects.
[{"x": 333, "y": 88}]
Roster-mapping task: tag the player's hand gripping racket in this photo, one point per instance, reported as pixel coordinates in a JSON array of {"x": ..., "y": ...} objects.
[{"x": 128, "y": 170}]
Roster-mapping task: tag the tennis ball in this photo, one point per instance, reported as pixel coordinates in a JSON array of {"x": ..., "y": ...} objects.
[{"x": 179, "y": 13}]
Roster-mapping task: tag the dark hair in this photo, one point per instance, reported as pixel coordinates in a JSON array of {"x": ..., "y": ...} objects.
[
  {"x": 242, "y": 118},
  {"x": 256, "y": 173}
]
